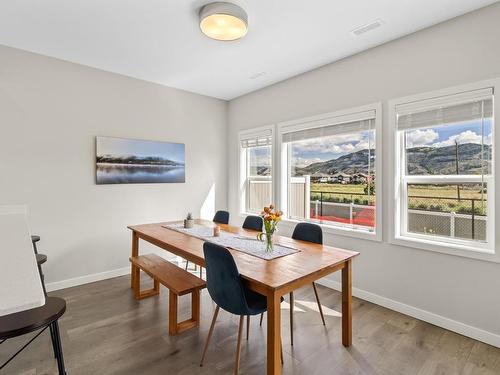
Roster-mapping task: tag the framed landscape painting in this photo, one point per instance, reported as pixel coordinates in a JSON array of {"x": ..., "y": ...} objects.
[{"x": 129, "y": 161}]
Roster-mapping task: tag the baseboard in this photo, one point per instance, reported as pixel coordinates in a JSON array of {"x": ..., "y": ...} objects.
[
  {"x": 426, "y": 316},
  {"x": 87, "y": 279}
]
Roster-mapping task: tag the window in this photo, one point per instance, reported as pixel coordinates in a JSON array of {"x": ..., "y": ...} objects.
[
  {"x": 445, "y": 175},
  {"x": 256, "y": 170},
  {"x": 329, "y": 170}
]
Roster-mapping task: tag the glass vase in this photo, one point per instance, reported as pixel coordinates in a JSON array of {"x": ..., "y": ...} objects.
[{"x": 269, "y": 242}]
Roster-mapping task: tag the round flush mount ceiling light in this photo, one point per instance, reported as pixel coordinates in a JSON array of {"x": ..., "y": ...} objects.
[{"x": 223, "y": 21}]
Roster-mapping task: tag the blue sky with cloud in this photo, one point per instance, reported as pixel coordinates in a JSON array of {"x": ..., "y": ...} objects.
[
  {"x": 442, "y": 136},
  {"x": 327, "y": 148}
]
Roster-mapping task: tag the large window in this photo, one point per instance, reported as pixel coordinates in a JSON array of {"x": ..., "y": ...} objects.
[
  {"x": 445, "y": 175},
  {"x": 256, "y": 168},
  {"x": 329, "y": 171}
]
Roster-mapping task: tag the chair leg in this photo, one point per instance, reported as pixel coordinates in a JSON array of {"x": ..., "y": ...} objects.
[
  {"x": 238, "y": 346},
  {"x": 53, "y": 340},
  {"x": 60, "y": 358},
  {"x": 319, "y": 304},
  {"x": 248, "y": 326},
  {"x": 187, "y": 265},
  {"x": 261, "y": 317},
  {"x": 281, "y": 349},
  {"x": 291, "y": 318},
  {"x": 216, "y": 312}
]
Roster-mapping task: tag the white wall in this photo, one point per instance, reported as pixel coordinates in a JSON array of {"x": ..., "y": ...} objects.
[
  {"x": 455, "y": 292},
  {"x": 50, "y": 113}
]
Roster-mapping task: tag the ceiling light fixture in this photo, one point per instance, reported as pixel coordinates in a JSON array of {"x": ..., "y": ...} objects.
[{"x": 223, "y": 21}]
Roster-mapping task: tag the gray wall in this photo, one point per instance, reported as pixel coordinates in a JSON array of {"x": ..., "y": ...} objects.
[
  {"x": 50, "y": 113},
  {"x": 462, "y": 292}
]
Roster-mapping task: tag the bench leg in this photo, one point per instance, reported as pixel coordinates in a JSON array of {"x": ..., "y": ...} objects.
[
  {"x": 136, "y": 277},
  {"x": 195, "y": 306},
  {"x": 172, "y": 313},
  {"x": 173, "y": 326}
]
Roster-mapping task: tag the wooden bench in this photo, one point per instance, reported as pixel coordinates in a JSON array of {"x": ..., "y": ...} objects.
[{"x": 178, "y": 281}]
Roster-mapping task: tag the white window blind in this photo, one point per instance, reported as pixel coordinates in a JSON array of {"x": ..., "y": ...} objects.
[
  {"x": 451, "y": 109},
  {"x": 327, "y": 131},
  {"x": 261, "y": 139},
  {"x": 332, "y": 126}
]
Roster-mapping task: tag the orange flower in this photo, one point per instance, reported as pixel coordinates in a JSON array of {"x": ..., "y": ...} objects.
[{"x": 271, "y": 206}]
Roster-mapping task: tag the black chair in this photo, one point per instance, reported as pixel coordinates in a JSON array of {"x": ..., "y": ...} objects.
[
  {"x": 228, "y": 291},
  {"x": 40, "y": 259},
  {"x": 253, "y": 223},
  {"x": 23, "y": 322},
  {"x": 221, "y": 217},
  {"x": 310, "y": 233}
]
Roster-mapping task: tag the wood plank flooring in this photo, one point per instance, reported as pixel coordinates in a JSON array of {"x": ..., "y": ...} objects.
[{"x": 106, "y": 331}]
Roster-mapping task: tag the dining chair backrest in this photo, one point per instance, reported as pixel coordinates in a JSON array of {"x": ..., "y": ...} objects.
[
  {"x": 308, "y": 232},
  {"x": 253, "y": 223},
  {"x": 223, "y": 279},
  {"x": 221, "y": 217}
]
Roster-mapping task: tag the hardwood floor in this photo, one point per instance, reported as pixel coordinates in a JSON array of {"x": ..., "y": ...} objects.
[{"x": 106, "y": 331}]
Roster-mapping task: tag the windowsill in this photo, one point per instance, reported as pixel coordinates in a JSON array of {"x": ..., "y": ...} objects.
[
  {"x": 330, "y": 229},
  {"x": 348, "y": 232},
  {"x": 447, "y": 248}
]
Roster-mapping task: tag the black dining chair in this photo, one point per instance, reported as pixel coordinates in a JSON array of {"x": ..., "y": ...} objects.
[
  {"x": 40, "y": 259},
  {"x": 220, "y": 217},
  {"x": 37, "y": 319},
  {"x": 310, "y": 233},
  {"x": 253, "y": 223},
  {"x": 229, "y": 293}
]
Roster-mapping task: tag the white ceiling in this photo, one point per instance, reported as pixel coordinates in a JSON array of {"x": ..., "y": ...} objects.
[{"x": 159, "y": 40}]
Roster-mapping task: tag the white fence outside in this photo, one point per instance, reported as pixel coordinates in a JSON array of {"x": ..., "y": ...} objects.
[
  {"x": 301, "y": 207},
  {"x": 449, "y": 224},
  {"x": 259, "y": 193}
]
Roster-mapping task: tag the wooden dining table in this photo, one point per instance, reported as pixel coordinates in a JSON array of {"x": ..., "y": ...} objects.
[{"x": 271, "y": 278}]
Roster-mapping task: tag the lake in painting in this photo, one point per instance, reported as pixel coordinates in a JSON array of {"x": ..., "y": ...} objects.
[{"x": 128, "y": 161}]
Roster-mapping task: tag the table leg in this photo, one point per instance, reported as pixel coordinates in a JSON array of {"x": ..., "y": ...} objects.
[
  {"x": 135, "y": 252},
  {"x": 273, "y": 334},
  {"x": 347, "y": 304}
]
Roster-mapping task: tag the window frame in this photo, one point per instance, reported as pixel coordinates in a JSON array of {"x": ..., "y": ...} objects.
[
  {"x": 243, "y": 175},
  {"x": 283, "y": 166},
  {"x": 398, "y": 202}
]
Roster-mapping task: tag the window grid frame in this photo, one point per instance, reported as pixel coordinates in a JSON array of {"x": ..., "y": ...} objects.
[
  {"x": 441, "y": 244},
  {"x": 351, "y": 114},
  {"x": 244, "y": 167}
]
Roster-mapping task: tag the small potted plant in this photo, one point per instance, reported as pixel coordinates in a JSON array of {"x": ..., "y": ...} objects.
[{"x": 188, "y": 221}]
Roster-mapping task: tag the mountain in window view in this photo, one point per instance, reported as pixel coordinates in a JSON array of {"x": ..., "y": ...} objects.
[{"x": 421, "y": 160}]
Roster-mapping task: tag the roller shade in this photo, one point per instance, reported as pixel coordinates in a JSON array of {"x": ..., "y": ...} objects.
[
  {"x": 468, "y": 106},
  {"x": 257, "y": 140},
  {"x": 331, "y": 127}
]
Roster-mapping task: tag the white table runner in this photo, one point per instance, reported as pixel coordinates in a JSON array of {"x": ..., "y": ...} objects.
[{"x": 247, "y": 245}]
